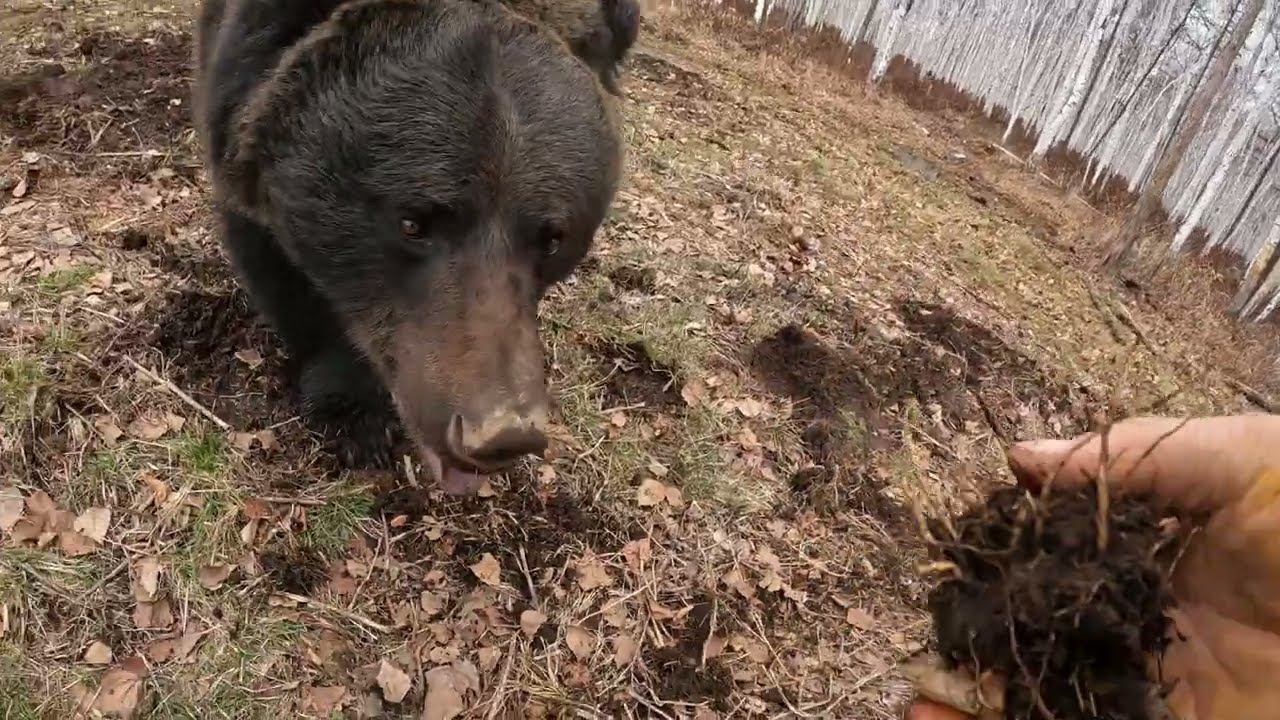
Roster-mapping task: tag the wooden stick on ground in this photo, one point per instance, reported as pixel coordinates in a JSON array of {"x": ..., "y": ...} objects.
[{"x": 223, "y": 424}]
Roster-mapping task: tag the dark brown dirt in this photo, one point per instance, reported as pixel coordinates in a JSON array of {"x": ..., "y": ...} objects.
[
  {"x": 1035, "y": 599},
  {"x": 199, "y": 334},
  {"x": 678, "y": 670},
  {"x": 297, "y": 572},
  {"x": 634, "y": 278},
  {"x": 130, "y": 96},
  {"x": 1005, "y": 384},
  {"x": 632, "y": 377}
]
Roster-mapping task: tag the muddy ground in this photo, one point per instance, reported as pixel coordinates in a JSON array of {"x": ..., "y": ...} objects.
[{"x": 812, "y": 310}]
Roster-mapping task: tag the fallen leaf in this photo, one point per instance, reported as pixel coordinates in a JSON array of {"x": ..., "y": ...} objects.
[
  {"x": 749, "y": 407},
  {"x": 531, "y": 621},
  {"x": 93, "y": 523},
  {"x": 249, "y": 357},
  {"x": 650, "y": 493},
  {"x": 618, "y": 419},
  {"x": 148, "y": 615},
  {"x": 393, "y": 681},
  {"x": 175, "y": 422},
  {"x": 860, "y": 618},
  {"x": 121, "y": 688},
  {"x": 159, "y": 489},
  {"x": 148, "y": 427},
  {"x": 146, "y": 579},
  {"x": 161, "y": 650},
  {"x": 444, "y": 694},
  {"x": 957, "y": 688},
  {"x": 748, "y": 440},
  {"x": 693, "y": 392},
  {"x": 26, "y": 530},
  {"x": 714, "y": 645},
  {"x": 432, "y": 604},
  {"x": 592, "y": 574},
  {"x": 177, "y": 648},
  {"x": 323, "y": 701},
  {"x": 40, "y": 505},
  {"x": 73, "y": 544},
  {"x": 108, "y": 429},
  {"x": 581, "y": 641},
  {"x": 249, "y": 532},
  {"x": 624, "y": 650},
  {"x": 256, "y": 509},
  {"x": 488, "y": 570},
  {"x": 213, "y": 576},
  {"x": 486, "y": 490},
  {"x": 735, "y": 579},
  {"x": 242, "y": 441},
  {"x": 674, "y": 497},
  {"x": 267, "y": 439},
  {"x": 488, "y": 657},
  {"x": 97, "y": 653},
  {"x": 11, "y": 507},
  {"x": 19, "y": 191},
  {"x": 637, "y": 553}
]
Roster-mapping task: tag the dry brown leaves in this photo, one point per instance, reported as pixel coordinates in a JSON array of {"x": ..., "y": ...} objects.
[
  {"x": 323, "y": 701},
  {"x": 592, "y": 574},
  {"x": 394, "y": 682},
  {"x": 39, "y": 520},
  {"x": 487, "y": 570},
  {"x": 447, "y": 687},
  {"x": 118, "y": 693},
  {"x": 531, "y": 621}
]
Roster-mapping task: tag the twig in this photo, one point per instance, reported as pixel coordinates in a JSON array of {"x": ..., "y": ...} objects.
[
  {"x": 494, "y": 704},
  {"x": 281, "y": 500},
  {"x": 528, "y": 579},
  {"x": 223, "y": 424},
  {"x": 355, "y": 617}
]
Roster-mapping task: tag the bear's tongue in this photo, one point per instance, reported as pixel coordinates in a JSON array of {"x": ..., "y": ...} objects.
[
  {"x": 460, "y": 482},
  {"x": 453, "y": 480}
]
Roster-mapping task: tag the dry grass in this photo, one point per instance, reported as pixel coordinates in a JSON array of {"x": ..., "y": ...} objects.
[{"x": 804, "y": 317}]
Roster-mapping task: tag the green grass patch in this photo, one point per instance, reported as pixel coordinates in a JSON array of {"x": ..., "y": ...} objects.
[
  {"x": 16, "y": 702},
  {"x": 202, "y": 453},
  {"x": 20, "y": 380},
  {"x": 330, "y": 526},
  {"x": 64, "y": 280}
]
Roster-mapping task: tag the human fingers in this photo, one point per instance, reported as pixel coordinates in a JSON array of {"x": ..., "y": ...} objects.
[{"x": 1194, "y": 464}]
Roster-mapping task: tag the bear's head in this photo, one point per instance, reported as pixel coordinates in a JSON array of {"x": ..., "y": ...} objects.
[{"x": 433, "y": 168}]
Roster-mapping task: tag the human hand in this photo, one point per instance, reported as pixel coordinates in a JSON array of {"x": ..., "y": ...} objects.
[{"x": 1224, "y": 659}]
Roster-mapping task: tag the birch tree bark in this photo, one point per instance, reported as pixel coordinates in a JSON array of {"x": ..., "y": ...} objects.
[
  {"x": 1149, "y": 202},
  {"x": 1081, "y": 74}
]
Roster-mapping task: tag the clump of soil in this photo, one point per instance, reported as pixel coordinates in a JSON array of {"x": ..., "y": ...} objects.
[
  {"x": 1035, "y": 600},
  {"x": 633, "y": 377}
]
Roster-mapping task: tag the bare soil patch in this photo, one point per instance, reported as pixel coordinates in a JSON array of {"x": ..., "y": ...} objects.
[{"x": 110, "y": 98}]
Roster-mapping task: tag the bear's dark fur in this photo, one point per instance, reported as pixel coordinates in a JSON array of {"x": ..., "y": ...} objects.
[{"x": 398, "y": 182}]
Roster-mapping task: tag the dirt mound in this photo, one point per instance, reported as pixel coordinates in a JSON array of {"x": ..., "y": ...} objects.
[
  {"x": 633, "y": 377},
  {"x": 131, "y": 96},
  {"x": 1010, "y": 390},
  {"x": 1035, "y": 599},
  {"x": 219, "y": 351}
]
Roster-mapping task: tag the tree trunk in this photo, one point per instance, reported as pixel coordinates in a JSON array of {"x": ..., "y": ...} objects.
[
  {"x": 1259, "y": 268},
  {"x": 885, "y": 53},
  {"x": 1149, "y": 202}
]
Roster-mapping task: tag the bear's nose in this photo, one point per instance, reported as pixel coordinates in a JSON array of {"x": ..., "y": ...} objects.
[{"x": 498, "y": 440}]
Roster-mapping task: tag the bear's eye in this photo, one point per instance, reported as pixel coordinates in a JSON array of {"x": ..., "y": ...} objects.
[
  {"x": 551, "y": 237},
  {"x": 410, "y": 229}
]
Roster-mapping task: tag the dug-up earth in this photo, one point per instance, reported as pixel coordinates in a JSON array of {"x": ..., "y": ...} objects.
[{"x": 813, "y": 312}]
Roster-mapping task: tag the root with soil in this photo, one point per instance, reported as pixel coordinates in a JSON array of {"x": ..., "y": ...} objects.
[{"x": 1070, "y": 620}]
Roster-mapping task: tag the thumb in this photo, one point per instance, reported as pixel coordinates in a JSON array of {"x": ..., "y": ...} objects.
[{"x": 1196, "y": 464}]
